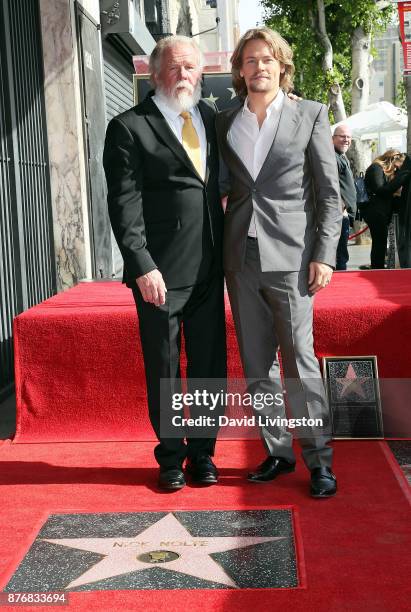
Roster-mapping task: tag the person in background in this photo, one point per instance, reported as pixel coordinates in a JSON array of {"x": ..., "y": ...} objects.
[
  {"x": 383, "y": 178},
  {"x": 342, "y": 138},
  {"x": 402, "y": 206}
]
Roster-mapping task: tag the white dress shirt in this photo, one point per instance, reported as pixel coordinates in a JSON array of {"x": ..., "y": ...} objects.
[
  {"x": 176, "y": 122},
  {"x": 252, "y": 143}
]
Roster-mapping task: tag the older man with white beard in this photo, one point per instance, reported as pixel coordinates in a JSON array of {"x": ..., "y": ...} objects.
[{"x": 161, "y": 164}]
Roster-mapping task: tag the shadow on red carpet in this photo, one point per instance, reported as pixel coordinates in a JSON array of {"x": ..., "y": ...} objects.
[{"x": 355, "y": 546}]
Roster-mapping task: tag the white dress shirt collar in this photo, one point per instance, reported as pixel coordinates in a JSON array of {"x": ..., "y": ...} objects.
[
  {"x": 274, "y": 106},
  {"x": 252, "y": 143},
  {"x": 175, "y": 122}
]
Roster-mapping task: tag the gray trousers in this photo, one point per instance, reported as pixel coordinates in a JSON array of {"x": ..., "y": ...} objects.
[{"x": 273, "y": 310}]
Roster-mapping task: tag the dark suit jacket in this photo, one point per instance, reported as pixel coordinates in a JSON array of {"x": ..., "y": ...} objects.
[
  {"x": 381, "y": 202},
  {"x": 380, "y": 190},
  {"x": 158, "y": 204},
  {"x": 347, "y": 185}
]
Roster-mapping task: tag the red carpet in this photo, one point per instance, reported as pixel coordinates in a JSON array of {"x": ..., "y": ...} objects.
[
  {"x": 79, "y": 369},
  {"x": 354, "y": 547},
  {"x": 367, "y": 313}
]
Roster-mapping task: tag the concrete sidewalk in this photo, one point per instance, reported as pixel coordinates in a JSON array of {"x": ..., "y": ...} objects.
[{"x": 359, "y": 256}]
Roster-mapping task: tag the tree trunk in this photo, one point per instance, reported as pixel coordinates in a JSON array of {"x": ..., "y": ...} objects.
[
  {"x": 336, "y": 103},
  {"x": 335, "y": 99},
  {"x": 323, "y": 36},
  {"x": 360, "y": 92},
  {"x": 360, "y": 155},
  {"x": 360, "y": 152}
]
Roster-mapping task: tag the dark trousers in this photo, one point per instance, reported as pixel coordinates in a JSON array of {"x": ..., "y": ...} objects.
[
  {"x": 342, "y": 248},
  {"x": 199, "y": 312},
  {"x": 378, "y": 226}
]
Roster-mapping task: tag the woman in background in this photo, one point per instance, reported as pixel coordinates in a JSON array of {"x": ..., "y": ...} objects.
[
  {"x": 403, "y": 225},
  {"x": 386, "y": 175}
]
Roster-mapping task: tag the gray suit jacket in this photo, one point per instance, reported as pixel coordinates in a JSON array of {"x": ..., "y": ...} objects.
[{"x": 296, "y": 194}]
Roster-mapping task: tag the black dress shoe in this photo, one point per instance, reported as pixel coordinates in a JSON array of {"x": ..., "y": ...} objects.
[
  {"x": 270, "y": 469},
  {"x": 202, "y": 470},
  {"x": 171, "y": 479},
  {"x": 323, "y": 482}
]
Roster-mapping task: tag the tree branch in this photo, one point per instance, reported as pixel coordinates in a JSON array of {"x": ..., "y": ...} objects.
[{"x": 323, "y": 37}]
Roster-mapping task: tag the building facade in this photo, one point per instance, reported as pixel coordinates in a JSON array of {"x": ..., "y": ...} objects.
[
  {"x": 386, "y": 69},
  {"x": 65, "y": 70},
  {"x": 215, "y": 23}
]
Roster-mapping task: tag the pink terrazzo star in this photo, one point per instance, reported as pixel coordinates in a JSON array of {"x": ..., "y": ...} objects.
[
  {"x": 352, "y": 383},
  {"x": 166, "y": 545}
]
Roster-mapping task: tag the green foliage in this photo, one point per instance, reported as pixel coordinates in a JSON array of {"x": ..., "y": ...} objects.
[
  {"x": 292, "y": 19},
  {"x": 401, "y": 96}
]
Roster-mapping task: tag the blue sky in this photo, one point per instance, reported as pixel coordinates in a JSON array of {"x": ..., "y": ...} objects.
[{"x": 250, "y": 13}]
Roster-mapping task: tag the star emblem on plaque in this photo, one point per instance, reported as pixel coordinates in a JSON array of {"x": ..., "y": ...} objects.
[
  {"x": 354, "y": 398},
  {"x": 217, "y": 87},
  {"x": 161, "y": 550},
  {"x": 212, "y": 98}
]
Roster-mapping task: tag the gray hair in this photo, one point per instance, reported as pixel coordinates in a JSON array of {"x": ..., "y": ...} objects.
[
  {"x": 343, "y": 126},
  {"x": 165, "y": 43}
]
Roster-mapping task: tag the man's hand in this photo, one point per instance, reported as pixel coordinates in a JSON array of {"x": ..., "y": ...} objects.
[
  {"x": 319, "y": 276},
  {"x": 293, "y": 96},
  {"x": 152, "y": 287}
]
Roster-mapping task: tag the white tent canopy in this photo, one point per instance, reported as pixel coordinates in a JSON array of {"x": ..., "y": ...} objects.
[{"x": 374, "y": 120}]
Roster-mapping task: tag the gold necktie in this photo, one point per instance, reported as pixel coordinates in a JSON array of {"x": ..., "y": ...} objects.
[{"x": 191, "y": 142}]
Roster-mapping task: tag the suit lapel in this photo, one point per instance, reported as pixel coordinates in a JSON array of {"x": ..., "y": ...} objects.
[
  {"x": 160, "y": 126},
  {"x": 290, "y": 119},
  {"x": 229, "y": 117},
  {"x": 208, "y": 120}
]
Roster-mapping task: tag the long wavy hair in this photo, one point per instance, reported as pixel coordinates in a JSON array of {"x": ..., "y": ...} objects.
[
  {"x": 281, "y": 51},
  {"x": 387, "y": 161}
]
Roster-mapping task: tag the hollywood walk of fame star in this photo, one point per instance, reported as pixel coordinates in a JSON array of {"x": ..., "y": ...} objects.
[
  {"x": 233, "y": 94},
  {"x": 212, "y": 98},
  {"x": 166, "y": 544},
  {"x": 352, "y": 383}
]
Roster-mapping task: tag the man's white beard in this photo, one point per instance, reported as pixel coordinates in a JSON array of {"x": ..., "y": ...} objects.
[{"x": 182, "y": 100}]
